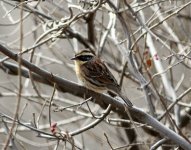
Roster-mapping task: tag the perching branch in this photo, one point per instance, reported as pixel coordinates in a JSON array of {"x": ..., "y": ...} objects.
[{"x": 75, "y": 89}]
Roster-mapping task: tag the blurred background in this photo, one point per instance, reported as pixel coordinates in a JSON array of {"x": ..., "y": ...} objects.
[{"x": 51, "y": 32}]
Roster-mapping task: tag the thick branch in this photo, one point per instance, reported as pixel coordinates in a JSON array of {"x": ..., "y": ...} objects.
[{"x": 117, "y": 106}]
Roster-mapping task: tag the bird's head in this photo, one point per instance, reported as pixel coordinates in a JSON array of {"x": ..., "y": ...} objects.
[{"x": 83, "y": 56}]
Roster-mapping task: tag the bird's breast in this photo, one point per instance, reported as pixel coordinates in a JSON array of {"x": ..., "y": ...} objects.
[{"x": 82, "y": 80}]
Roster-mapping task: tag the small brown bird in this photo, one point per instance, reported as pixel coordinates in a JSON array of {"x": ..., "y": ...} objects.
[{"x": 95, "y": 75}]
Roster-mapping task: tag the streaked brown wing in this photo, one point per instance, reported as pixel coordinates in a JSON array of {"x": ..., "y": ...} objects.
[{"x": 96, "y": 72}]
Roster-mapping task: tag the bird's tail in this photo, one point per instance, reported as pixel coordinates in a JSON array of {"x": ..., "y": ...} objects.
[{"x": 126, "y": 100}]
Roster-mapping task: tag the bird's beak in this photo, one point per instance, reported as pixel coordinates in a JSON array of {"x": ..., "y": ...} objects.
[{"x": 74, "y": 58}]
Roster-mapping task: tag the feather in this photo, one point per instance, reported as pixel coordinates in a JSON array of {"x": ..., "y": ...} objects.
[{"x": 95, "y": 75}]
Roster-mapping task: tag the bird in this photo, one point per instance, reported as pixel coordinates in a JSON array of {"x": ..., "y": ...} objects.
[{"x": 95, "y": 75}]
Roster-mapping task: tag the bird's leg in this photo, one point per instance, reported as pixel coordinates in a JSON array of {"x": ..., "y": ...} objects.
[{"x": 112, "y": 94}]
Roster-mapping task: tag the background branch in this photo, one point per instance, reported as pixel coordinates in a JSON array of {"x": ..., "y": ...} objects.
[
  {"x": 77, "y": 90},
  {"x": 134, "y": 38}
]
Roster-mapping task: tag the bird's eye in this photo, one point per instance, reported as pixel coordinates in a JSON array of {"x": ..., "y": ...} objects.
[{"x": 85, "y": 58}]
